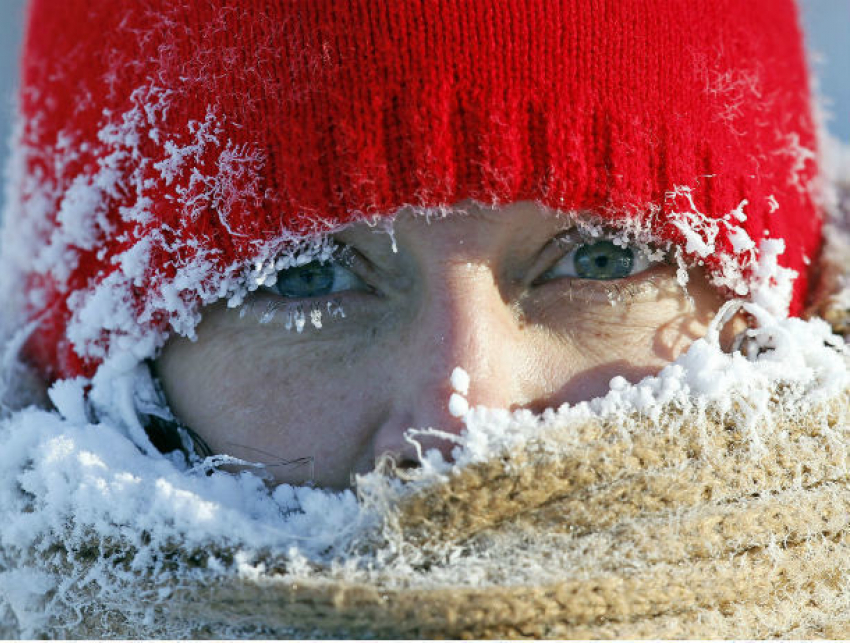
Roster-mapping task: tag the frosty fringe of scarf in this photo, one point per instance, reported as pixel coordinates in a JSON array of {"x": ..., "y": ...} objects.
[{"x": 110, "y": 308}]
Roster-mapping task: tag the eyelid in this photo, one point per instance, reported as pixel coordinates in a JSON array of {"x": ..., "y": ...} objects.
[
  {"x": 386, "y": 277},
  {"x": 354, "y": 260},
  {"x": 551, "y": 253}
]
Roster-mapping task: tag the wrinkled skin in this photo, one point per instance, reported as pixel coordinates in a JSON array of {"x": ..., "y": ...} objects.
[{"x": 469, "y": 290}]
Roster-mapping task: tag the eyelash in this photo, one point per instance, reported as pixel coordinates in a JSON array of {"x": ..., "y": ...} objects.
[
  {"x": 608, "y": 292},
  {"x": 294, "y": 314}
]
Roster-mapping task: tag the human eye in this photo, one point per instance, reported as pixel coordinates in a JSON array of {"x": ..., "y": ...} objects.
[
  {"x": 315, "y": 279},
  {"x": 599, "y": 260}
]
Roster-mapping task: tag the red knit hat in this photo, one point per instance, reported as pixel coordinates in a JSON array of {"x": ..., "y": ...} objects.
[{"x": 169, "y": 149}]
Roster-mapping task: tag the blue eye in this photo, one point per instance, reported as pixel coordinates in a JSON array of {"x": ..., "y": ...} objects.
[
  {"x": 601, "y": 261},
  {"x": 315, "y": 279}
]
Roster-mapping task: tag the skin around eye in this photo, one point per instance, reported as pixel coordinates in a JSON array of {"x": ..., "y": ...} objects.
[
  {"x": 599, "y": 261},
  {"x": 315, "y": 279}
]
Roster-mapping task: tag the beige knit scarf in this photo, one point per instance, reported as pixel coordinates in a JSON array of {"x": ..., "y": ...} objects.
[{"x": 685, "y": 525}]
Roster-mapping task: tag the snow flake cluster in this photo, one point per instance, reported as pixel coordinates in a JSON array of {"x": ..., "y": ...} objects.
[{"x": 749, "y": 269}]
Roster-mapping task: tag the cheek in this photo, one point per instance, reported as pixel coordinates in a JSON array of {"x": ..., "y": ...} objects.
[
  {"x": 585, "y": 345},
  {"x": 251, "y": 394},
  {"x": 579, "y": 365},
  {"x": 658, "y": 332}
]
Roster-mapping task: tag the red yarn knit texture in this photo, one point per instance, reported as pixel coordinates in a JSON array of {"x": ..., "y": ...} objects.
[{"x": 352, "y": 108}]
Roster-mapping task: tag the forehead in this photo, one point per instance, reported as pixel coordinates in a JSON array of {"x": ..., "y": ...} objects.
[{"x": 465, "y": 223}]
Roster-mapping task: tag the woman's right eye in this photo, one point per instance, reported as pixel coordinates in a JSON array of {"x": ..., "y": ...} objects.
[{"x": 315, "y": 279}]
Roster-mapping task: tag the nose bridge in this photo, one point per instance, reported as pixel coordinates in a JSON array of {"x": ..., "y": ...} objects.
[{"x": 464, "y": 322}]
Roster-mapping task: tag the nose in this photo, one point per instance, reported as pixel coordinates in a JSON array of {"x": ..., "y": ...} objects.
[{"x": 462, "y": 321}]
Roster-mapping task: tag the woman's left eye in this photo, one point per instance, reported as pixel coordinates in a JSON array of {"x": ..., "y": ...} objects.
[
  {"x": 315, "y": 279},
  {"x": 600, "y": 260}
]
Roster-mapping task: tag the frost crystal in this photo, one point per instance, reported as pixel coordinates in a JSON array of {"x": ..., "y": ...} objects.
[
  {"x": 460, "y": 380},
  {"x": 458, "y": 406}
]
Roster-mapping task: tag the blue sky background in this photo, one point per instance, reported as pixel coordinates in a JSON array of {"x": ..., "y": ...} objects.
[
  {"x": 827, "y": 25},
  {"x": 11, "y": 22}
]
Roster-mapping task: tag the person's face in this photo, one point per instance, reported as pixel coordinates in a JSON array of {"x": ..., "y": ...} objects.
[{"x": 508, "y": 294}]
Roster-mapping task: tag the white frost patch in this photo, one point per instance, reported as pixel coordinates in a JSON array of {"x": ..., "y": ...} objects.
[
  {"x": 458, "y": 406},
  {"x": 800, "y": 157},
  {"x": 68, "y": 397},
  {"x": 772, "y": 285},
  {"x": 699, "y": 230},
  {"x": 750, "y": 269},
  {"x": 460, "y": 380},
  {"x": 740, "y": 240},
  {"x": 772, "y": 203}
]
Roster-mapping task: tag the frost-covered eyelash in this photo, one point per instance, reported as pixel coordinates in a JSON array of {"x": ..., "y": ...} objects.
[
  {"x": 614, "y": 291},
  {"x": 295, "y": 315},
  {"x": 255, "y": 276},
  {"x": 579, "y": 235}
]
